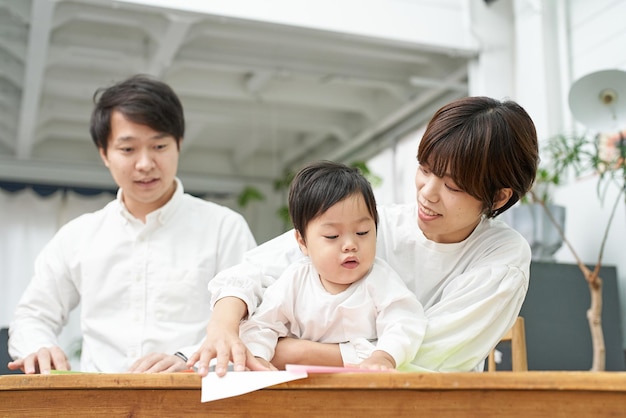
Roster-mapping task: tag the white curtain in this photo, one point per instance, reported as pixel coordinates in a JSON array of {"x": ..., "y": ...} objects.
[{"x": 27, "y": 222}]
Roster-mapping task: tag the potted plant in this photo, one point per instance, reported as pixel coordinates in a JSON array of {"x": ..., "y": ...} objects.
[{"x": 602, "y": 156}]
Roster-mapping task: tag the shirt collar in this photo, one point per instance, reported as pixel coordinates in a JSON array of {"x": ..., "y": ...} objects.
[{"x": 162, "y": 214}]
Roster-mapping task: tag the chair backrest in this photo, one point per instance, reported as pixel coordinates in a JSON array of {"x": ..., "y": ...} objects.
[
  {"x": 4, "y": 353},
  {"x": 517, "y": 336}
]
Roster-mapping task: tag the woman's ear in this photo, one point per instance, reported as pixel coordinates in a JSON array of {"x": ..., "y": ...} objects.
[
  {"x": 502, "y": 196},
  {"x": 301, "y": 242}
]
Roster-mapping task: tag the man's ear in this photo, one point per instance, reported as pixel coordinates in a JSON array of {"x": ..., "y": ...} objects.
[
  {"x": 502, "y": 196},
  {"x": 301, "y": 242},
  {"x": 103, "y": 155}
]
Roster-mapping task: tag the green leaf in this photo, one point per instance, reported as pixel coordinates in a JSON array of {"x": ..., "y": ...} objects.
[{"x": 249, "y": 194}]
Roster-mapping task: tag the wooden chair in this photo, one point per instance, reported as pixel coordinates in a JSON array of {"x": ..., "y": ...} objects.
[{"x": 517, "y": 336}]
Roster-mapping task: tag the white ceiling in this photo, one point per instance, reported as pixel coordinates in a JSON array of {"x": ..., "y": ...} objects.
[{"x": 259, "y": 98}]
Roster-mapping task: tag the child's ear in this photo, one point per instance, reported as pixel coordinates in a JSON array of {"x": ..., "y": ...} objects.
[{"x": 301, "y": 243}]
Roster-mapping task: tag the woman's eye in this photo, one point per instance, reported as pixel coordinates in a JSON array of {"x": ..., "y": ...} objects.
[{"x": 453, "y": 189}]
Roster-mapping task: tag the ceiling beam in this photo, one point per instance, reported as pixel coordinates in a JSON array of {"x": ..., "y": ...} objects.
[
  {"x": 11, "y": 73},
  {"x": 308, "y": 144},
  {"x": 314, "y": 66},
  {"x": 17, "y": 9},
  {"x": 324, "y": 43},
  {"x": 7, "y": 116},
  {"x": 13, "y": 48},
  {"x": 429, "y": 82},
  {"x": 38, "y": 40},
  {"x": 171, "y": 41},
  {"x": 257, "y": 81},
  {"x": 85, "y": 59},
  {"x": 296, "y": 92},
  {"x": 100, "y": 16},
  {"x": 397, "y": 116}
]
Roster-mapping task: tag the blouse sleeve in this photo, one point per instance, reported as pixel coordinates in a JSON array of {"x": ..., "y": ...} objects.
[
  {"x": 261, "y": 267},
  {"x": 400, "y": 323},
  {"x": 475, "y": 311},
  {"x": 270, "y": 321}
]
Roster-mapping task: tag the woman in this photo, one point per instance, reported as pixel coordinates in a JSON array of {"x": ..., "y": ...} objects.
[{"x": 477, "y": 158}]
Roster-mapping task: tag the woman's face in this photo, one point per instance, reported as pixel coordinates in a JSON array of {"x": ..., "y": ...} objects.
[{"x": 445, "y": 213}]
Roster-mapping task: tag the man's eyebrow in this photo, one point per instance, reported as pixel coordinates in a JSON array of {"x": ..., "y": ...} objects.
[
  {"x": 161, "y": 135},
  {"x": 126, "y": 138}
]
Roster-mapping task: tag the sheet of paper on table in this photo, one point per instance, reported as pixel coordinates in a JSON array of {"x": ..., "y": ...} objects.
[{"x": 239, "y": 383}]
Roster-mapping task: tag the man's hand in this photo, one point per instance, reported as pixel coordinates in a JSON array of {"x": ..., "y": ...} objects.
[
  {"x": 44, "y": 360},
  {"x": 222, "y": 341},
  {"x": 158, "y": 363}
]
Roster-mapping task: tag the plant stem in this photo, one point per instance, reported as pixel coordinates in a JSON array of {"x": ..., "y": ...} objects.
[{"x": 594, "y": 313}]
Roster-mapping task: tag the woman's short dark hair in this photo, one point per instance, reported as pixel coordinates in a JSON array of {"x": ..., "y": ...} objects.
[
  {"x": 484, "y": 145},
  {"x": 141, "y": 99},
  {"x": 320, "y": 185}
]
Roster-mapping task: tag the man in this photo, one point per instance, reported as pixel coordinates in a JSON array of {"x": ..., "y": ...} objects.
[{"x": 141, "y": 265}]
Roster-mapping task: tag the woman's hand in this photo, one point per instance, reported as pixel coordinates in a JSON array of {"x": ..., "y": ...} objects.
[{"x": 295, "y": 351}]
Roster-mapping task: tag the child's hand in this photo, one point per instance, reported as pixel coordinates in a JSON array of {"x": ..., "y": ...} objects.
[
  {"x": 379, "y": 360},
  {"x": 266, "y": 363}
]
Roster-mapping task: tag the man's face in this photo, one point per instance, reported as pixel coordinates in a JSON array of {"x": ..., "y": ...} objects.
[{"x": 143, "y": 162}]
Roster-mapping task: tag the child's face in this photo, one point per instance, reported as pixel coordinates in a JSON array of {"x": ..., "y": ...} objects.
[
  {"x": 445, "y": 213},
  {"x": 341, "y": 243}
]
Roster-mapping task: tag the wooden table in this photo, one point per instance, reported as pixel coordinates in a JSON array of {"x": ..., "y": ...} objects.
[{"x": 501, "y": 394}]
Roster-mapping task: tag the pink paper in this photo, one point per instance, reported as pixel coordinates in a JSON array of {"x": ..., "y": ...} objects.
[{"x": 295, "y": 368}]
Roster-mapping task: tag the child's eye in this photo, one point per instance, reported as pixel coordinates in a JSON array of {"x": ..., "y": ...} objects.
[
  {"x": 363, "y": 233},
  {"x": 424, "y": 169},
  {"x": 331, "y": 236}
]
